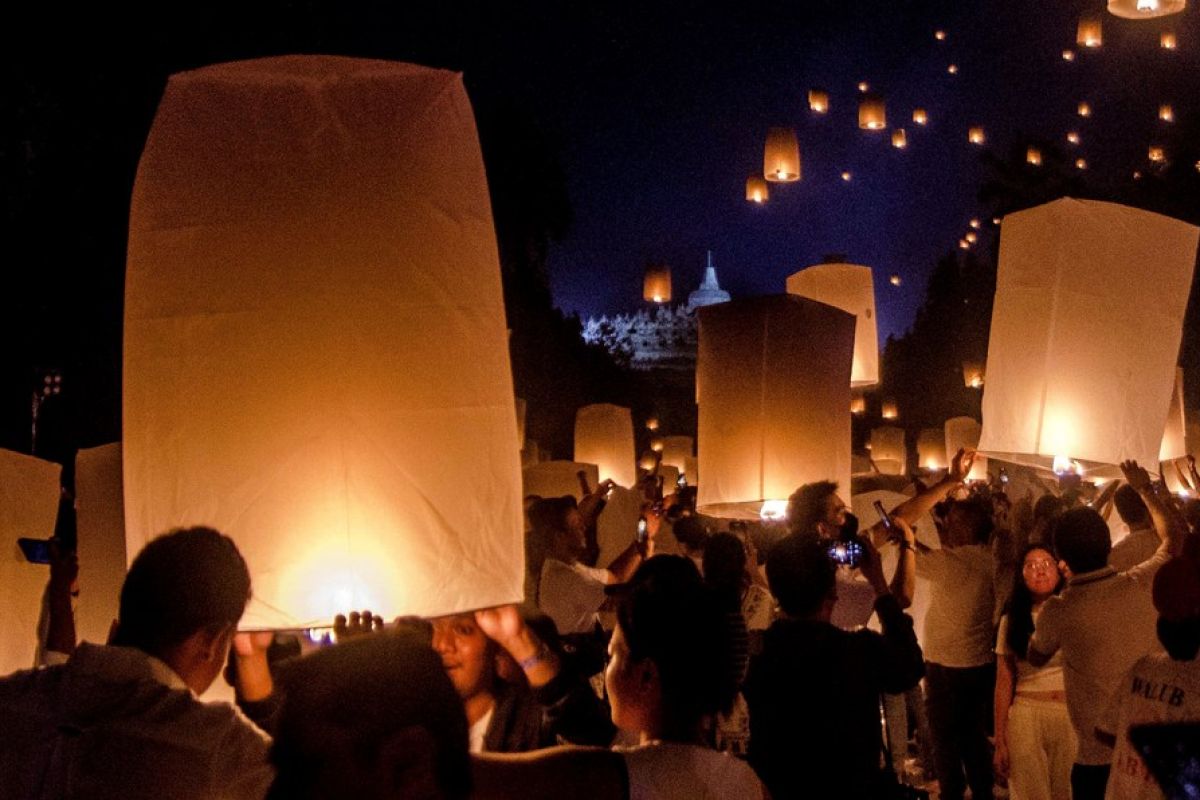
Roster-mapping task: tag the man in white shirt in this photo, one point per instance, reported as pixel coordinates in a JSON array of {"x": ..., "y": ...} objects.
[
  {"x": 124, "y": 721},
  {"x": 1142, "y": 540}
]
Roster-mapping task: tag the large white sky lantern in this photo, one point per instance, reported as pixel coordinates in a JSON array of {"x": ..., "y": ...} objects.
[
  {"x": 1145, "y": 9},
  {"x": 316, "y": 357},
  {"x": 773, "y": 383},
  {"x": 1066, "y": 376},
  {"x": 851, "y": 288},
  {"x": 100, "y": 519},
  {"x": 1174, "y": 438},
  {"x": 604, "y": 437},
  {"x": 963, "y": 433}
]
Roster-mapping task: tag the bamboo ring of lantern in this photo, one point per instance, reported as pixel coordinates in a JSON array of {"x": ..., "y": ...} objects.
[
  {"x": 781, "y": 156},
  {"x": 1156, "y": 155},
  {"x": 920, "y": 116},
  {"x": 757, "y": 190},
  {"x": 1033, "y": 156},
  {"x": 1167, "y": 40},
  {"x": 818, "y": 101},
  {"x": 604, "y": 437},
  {"x": 1145, "y": 9},
  {"x": 872, "y": 113},
  {"x": 656, "y": 285},
  {"x": 899, "y": 139},
  {"x": 1166, "y": 113},
  {"x": 850, "y": 287},
  {"x": 1090, "y": 33},
  {"x": 1084, "y": 109},
  {"x": 975, "y": 135}
]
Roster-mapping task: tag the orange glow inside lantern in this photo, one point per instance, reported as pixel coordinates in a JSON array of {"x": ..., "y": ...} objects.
[
  {"x": 952, "y": 69},
  {"x": 889, "y": 409},
  {"x": 656, "y": 286},
  {"x": 1145, "y": 9},
  {"x": 931, "y": 449},
  {"x": 1090, "y": 33},
  {"x": 656, "y": 444},
  {"x": 818, "y": 100},
  {"x": 757, "y": 190},
  {"x": 858, "y": 404},
  {"x": 1073, "y": 137},
  {"x": 1068, "y": 55},
  {"x": 1084, "y": 109},
  {"x": 1168, "y": 41},
  {"x": 973, "y": 374},
  {"x": 899, "y": 139},
  {"x": 1156, "y": 154},
  {"x": 781, "y": 156},
  {"x": 872, "y": 113},
  {"x": 604, "y": 437},
  {"x": 920, "y": 117},
  {"x": 975, "y": 135},
  {"x": 940, "y": 35},
  {"x": 1080, "y": 163},
  {"x": 1033, "y": 156},
  {"x": 651, "y": 423},
  {"x": 1166, "y": 113}
]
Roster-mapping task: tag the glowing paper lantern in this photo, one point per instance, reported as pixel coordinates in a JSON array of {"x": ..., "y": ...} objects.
[
  {"x": 973, "y": 374},
  {"x": 952, "y": 69},
  {"x": 899, "y": 139},
  {"x": 1063, "y": 378},
  {"x": 889, "y": 409},
  {"x": 648, "y": 461},
  {"x": 1174, "y": 439},
  {"x": 1084, "y": 109},
  {"x": 1156, "y": 154},
  {"x": 558, "y": 479},
  {"x": 1073, "y": 137},
  {"x": 872, "y": 113},
  {"x": 851, "y": 288},
  {"x": 773, "y": 383},
  {"x": 895, "y": 280},
  {"x": 864, "y": 87},
  {"x": 888, "y": 450},
  {"x": 963, "y": 244},
  {"x": 858, "y": 402},
  {"x": 963, "y": 433},
  {"x": 1145, "y": 9},
  {"x": 931, "y": 449},
  {"x": 975, "y": 135},
  {"x": 656, "y": 285},
  {"x": 846, "y": 176},
  {"x": 920, "y": 117},
  {"x": 656, "y": 444},
  {"x": 520, "y": 409},
  {"x": 1033, "y": 156},
  {"x": 1068, "y": 55},
  {"x": 1080, "y": 163},
  {"x": 1168, "y": 41},
  {"x": 781, "y": 156},
  {"x": 100, "y": 522},
  {"x": 28, "y": 506},
  {"x": 1090, "y": 33},
  {"x": 974, "y": 223},
  {"x": 676, "y": 451},
  {"x": 604, "y": 437},
  {"x": 818, "y": 100},
  {"x": 316, "y": 357},
  {"x": 691, "y": 468},
  {"x": 940, "y": 35},
  {"x": 971, "y": 237},
  {"x": 1166, "y": 113},
  {"x": 756, "y": 189}
]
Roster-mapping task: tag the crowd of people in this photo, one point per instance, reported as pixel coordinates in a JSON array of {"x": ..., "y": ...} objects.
[{"x": 709, "y": 659}]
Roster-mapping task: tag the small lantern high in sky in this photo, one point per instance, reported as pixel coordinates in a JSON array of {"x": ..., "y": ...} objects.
[
  {"x": 1145, "y": 9},
  {"x": 975, "y": 135},
  {"x": 1080, "y": 163},
  {"x": 781, "y": 156},
  {"x": 858, "y": 404},
  {"x": 889, "y": 409},
  {"x": 818, "y": 100},
  {"x": 899, "y": 139},
  {"x": 1084, "y": 109},
  {"x": 1068, "y": 55},
  {"x": 1033, "y": 156},
  {"x": 973, "y": 374},
  {"x": 920, "y": 117},
  {"x": 1166, "y": 112},
  {"x": 1090, "y": 33},
  {"x": 952, "y": 69},
  {"x": 872, "y": 113},
  {"x": 1167, "y": 40},
  {"x": 1073, "y": 137},
  {"x": 604, "y": 437},
  {"x": 757, "y": 190},
  {"x": 850, "y": 287},
  {"x": 656, "y": 285},
  {"x": 1156, "y": 154}
]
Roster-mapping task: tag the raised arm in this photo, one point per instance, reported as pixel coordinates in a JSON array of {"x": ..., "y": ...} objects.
[
  {"x": 1168, "y": 524},
  {"x": 960, "y": 466}
]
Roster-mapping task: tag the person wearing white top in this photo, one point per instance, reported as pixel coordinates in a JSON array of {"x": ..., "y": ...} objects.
[
  {"x": 1142, "y": 540},
  {"x": 1035, "y": 743}
]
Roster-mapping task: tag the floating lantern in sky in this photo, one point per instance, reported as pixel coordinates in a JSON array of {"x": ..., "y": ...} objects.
[
  {"x": 651, "y": 423},
  {"x": 1090, "y": 33},
  {"x": 1145, "y": 9},
  {"x": 889, "y": 409},
  {"x": 1166, "y": 112},
  {"x": 899, "y": 139},
  {"x": 1060, "y": 381},
  {"x": 920, "y": 117},
  {"x": 781, "y": 156},
  {"x": 858, "y": 404},
  {"x": 940, "y": 35},
  {"x": 1084, "y": 109},
  {"x": 757, "y": 190},
  {"x": 1167, "y": 40},
  {"x": 952, "y": 69},
  {"x": 931, "y": 449},
  {"x": 656, "y": 444},
  {"x": 888, "y": 450},
  {"x": 1068, "y": 55},
  {"x": 972, "y": 237},
  {"x": 656, "y": 284},
  {"x": 1033, "y": 156},
  {"x": 314, "y": 320},
  {"x": 895, "y": 280},
  {"x": 1073, "y": 137},
  {"x": 648, "y": 461},
  {"x": 676, "y": 451},
  {"x": 1137, "y": 174},
  {"x": 850, "y": 287},
  {"x": 962, "y": 433},
  {"x": 818, "y": 100},
  {"x": 1081, "y": 163},
  {"x": 974, "y": 223},
  {"x": 604, "y": 437},
  {"x": 975, "y": 135},
  {"x": 963, "y": 244},
  {"x": 872, "y": 113},
  {"x": 864, "y": 87},
  {"x": 973, "y": 374},
  {"x": 846, "y": 176},
  {"x": 772, "y": 386},
  {"x": 995, "y": 220},
  {"x": 1156, "y": 154}
]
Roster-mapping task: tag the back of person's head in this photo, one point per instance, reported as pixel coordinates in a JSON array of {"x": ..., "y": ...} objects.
[
  {"x": 1047, "y": 507},
  {"x": 725, "y": 567},
  {"x": 808, "y": 505},
  {"x": 1131, "y": 507},
  {"x": 668, "y": 616},
  {"x": 800, "y": 573},
  {"x": 976, "y": 514},
  {"x": 549, "y": 514},
  {"x": 374, "y": 717},
  {"x": 691, "y": 532},
  {"x": 1176, "y": 595},
  {"x": 1081, "y": 539},
  {"x": 185, "y": 581}
]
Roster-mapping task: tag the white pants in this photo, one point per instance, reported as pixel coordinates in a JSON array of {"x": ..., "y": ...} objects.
[{"x": 1041, "y": 750}]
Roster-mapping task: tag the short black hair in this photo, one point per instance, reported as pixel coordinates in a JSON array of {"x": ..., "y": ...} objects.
[
  {"x": 1081, "y": 539},
  {"x": 725, "y": 567},
  {"x": 800, "y": 573},
  {"x": 1130, "y": 506},
  {"x": 182, "y": 582},
  {"x": 1180, "y": 638},
  {"x": 806, "y": 506},
  {"x": 979, "y": 516},
  {"x": 691, "y": 532}
]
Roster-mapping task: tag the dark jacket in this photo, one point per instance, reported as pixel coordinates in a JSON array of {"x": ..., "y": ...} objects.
[
  {"x": 814, "y": 696},
  {"x": 566, "y": 710}
]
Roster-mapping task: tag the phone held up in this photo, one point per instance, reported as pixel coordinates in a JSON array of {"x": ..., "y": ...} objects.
[{"x": 36, "y": 551}]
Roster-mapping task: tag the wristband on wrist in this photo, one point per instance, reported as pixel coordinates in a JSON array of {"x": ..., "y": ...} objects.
[{"x": 541, "y": 655}]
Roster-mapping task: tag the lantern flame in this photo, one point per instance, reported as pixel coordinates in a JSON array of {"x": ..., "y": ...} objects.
[
  {"x": 1166, "y": 113},
  {"x": 773, "y": 510},
  {"x": 1167, "y": 40},
  {"x": 1068, "y": 55},
  {"x": 919, "y": 116},
  {"x": 1063, "y": 465}
]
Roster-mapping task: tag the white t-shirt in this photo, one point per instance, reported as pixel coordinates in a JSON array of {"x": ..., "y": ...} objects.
[
  {"x": 758, "y": 608},
  {"x": 1103, "y": 622},
  {"x": 673, "y": 771},
  {"x": 1157, "y": 689},
  {"x": 958, "y": 626},
  {"x": 855, "y": 600},
  {"x": 1134, "y": 548},
  {"x": 1046, "y": 678},
  {"x": 571, "y": 594},
  {"x": 478, "y": 731}
]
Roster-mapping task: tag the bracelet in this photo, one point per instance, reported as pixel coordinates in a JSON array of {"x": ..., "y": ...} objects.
[
  {"x": 535, "y": 659},
  {"x": 906, "y": 546}
]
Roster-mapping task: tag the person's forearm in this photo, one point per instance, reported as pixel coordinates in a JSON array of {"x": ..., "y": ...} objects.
[
  {"x": 623, "y": 566},
  {"x": 60, "y": 631},
  {"x": 254, "y": 681},
  {"x": 1003, "y": 696},
  {"x": 539, "y": 663},
  {"x": 913, "y": 509},
  {"x": 906, "y": 575},
  {"x": 1169, "y": 529}
]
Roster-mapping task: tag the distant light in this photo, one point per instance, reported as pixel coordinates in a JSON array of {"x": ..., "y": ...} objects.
[
  {"x": 1166, "y": 113},
  {"x": 1068, "y": 55},
  {"x": 1156, "y": 155},
  {"x": 1080, "y": 163},
  {"x": 1073, "y": 137},
  {"x": 972, "y": 237},
  {"x": 818, "y": 100},
  {"x": 952, "y": 69},
  {"x": 652, "y": 423},
  {"x": 1090, "y": 32},
  {"x": 864, "y": 87},
  {"x": 1085, "y": 109},
  {"x": 974, "y": 223},
  {"x": 975, "y": 135},
  {"x": 920, "y": 117},
  {"x": 773, "y": 510},
  {"x": 995, "y": 220},
  {"x": 1033, "y": 156},
  {"x": 963, "y": 244},
  {"x": 895, "y": 279},
  {"x": 846, "y": 176},
  {"x": 899, "y": 139},
  {"x": 1137, "y": 174},
  {"x": 1167, "y": 40},
  {"x": 940, "y": 35}
]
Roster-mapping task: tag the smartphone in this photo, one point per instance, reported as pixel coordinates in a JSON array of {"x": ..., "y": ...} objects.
[
  {"x": 642, "y": 532},
  {"x": 883, "y": 516},
  {"x": 583, "y": 483},
  {"x": 846, "y": 552},
  {"x": 36, "y": 551}
]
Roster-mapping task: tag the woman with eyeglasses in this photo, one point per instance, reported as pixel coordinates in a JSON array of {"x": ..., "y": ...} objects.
[{"x": 1035, "y": 743}]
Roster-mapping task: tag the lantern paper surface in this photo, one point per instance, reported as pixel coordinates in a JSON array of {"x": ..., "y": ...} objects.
[
  {"x": 962, "y": 433},
  {"x": 931, "y": 449},
  {"x": 28, "y": 507},
  {"x": 781, "y": 156},
  {"x": 888, "y": 450},
  {"x": 100, "y": 519},
  {"x": 1065, "y": 376},
  {"x": 656, "y": 287},
  {"x": 872, "y": 113},
  {"x": 604, "y": 437},
  {"x": 677, "y": 450},
  {"x": 757, "y": 190},
  {"x": 316, "y": 356},
  {"x": 818, "y": 100},
  {"x": 521, "y": 408},
  {"x": 773, "y": 382},
  {"x": 1145, "y": 9},
  {"x": 1090, "y": 32},
  {"x": 691, "y": 468},
  {"x": 617, "y": 523},
  {"x": 558, "y": 478},
  {"x": 1174, "y": 438},
  {"x": 851, "y": 288}
]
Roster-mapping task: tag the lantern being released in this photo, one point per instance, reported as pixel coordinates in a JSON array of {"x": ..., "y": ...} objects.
[
  {"x": 872, "y": 113},
  {"x": 818, "y": 100},
  {"x": 962, "y": 433},
  {"x": 1090, "y": 33},
  {"x": 975, "y": 135},
  {"x": 1066, "y": 377},
  {"x": 851, "y": 288},
  {"x": 931, "y": 449},
  {"x": 656, "y": 285},
  {"x": 604, "y": 437},
  {"x": 773, "y": 384},
  {"x": 888, "y": 450},
  {"x": 1167, "y": 40},
  {"x": 1145, "y": 9},
  {"x": 781, "y": 156},
  {"x": 756, "y": 189},
  {"x": 316, "y": 358}
]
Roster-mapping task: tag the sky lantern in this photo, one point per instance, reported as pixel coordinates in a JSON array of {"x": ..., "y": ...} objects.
[
  {"x": 975, "y": 135},
  {"x": 773, "y": 384},
  {"x": 888, "y": 450},
  {"x": 1174, "y": 440},
  {"x": 1073, "y": 137},
  {"x": 1167, "y": 40},
  {"x": 973, "y": 374},
  {"x": 757, "y": 190},
  {"x": 100, "y": 524},
  {"x": 1084, "y": 109},
  {"x": 306, "y": 235},
  {"x": 931, "y": 449},
  {"x": 648, "y": 460},
  {"x": 818, "y": 100},
  {"x": 656, "y": 444},
  {"x": 974, "y": 223},
  {"x": 604, "y": 437},
  {"x": 952, "y": 69},
  {"x": 1166, "y": 112},
  {"x": 858, "y": 404},
  {"x": 1065, "y": 380},
  {"x": 691, "y": 469},
  {"x": 1081, "y": 163},
  {"x": 1156, "y": 154},
  {"x": 920, "y": 117},
  {"x": 895, "y": 280},
  {"x": 872, "y": 113},
  {"x": 1033, "y": 155},
  {"x": 899, "y": 139},
  {"x": 971, "y": 237},
  {"x": 1145, "y": 9},
  {"x": 781, "y": 156},
  {"x": 850, "y": 287},
  {"x": 1068, "y": 55},
  {"x": 847, "y": 176},
  {"x": 963, "y": 244},
  {"x": 1090, "y": 33},
  {"x": 888, "y": 409},
  {"x": 558, "y": 478},
  {"x": 864, "y": 87},
  {"x": 652, "y": 423},
  {"x": 656, "y": 284},
  {"x": 940, "y": 35},
  {"x": 963, "y": 433},
  {"x": 677, "y": 450}
]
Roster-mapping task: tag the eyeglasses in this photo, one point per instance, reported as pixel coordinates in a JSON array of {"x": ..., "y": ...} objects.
[{"x": 1041, "y": 565}]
